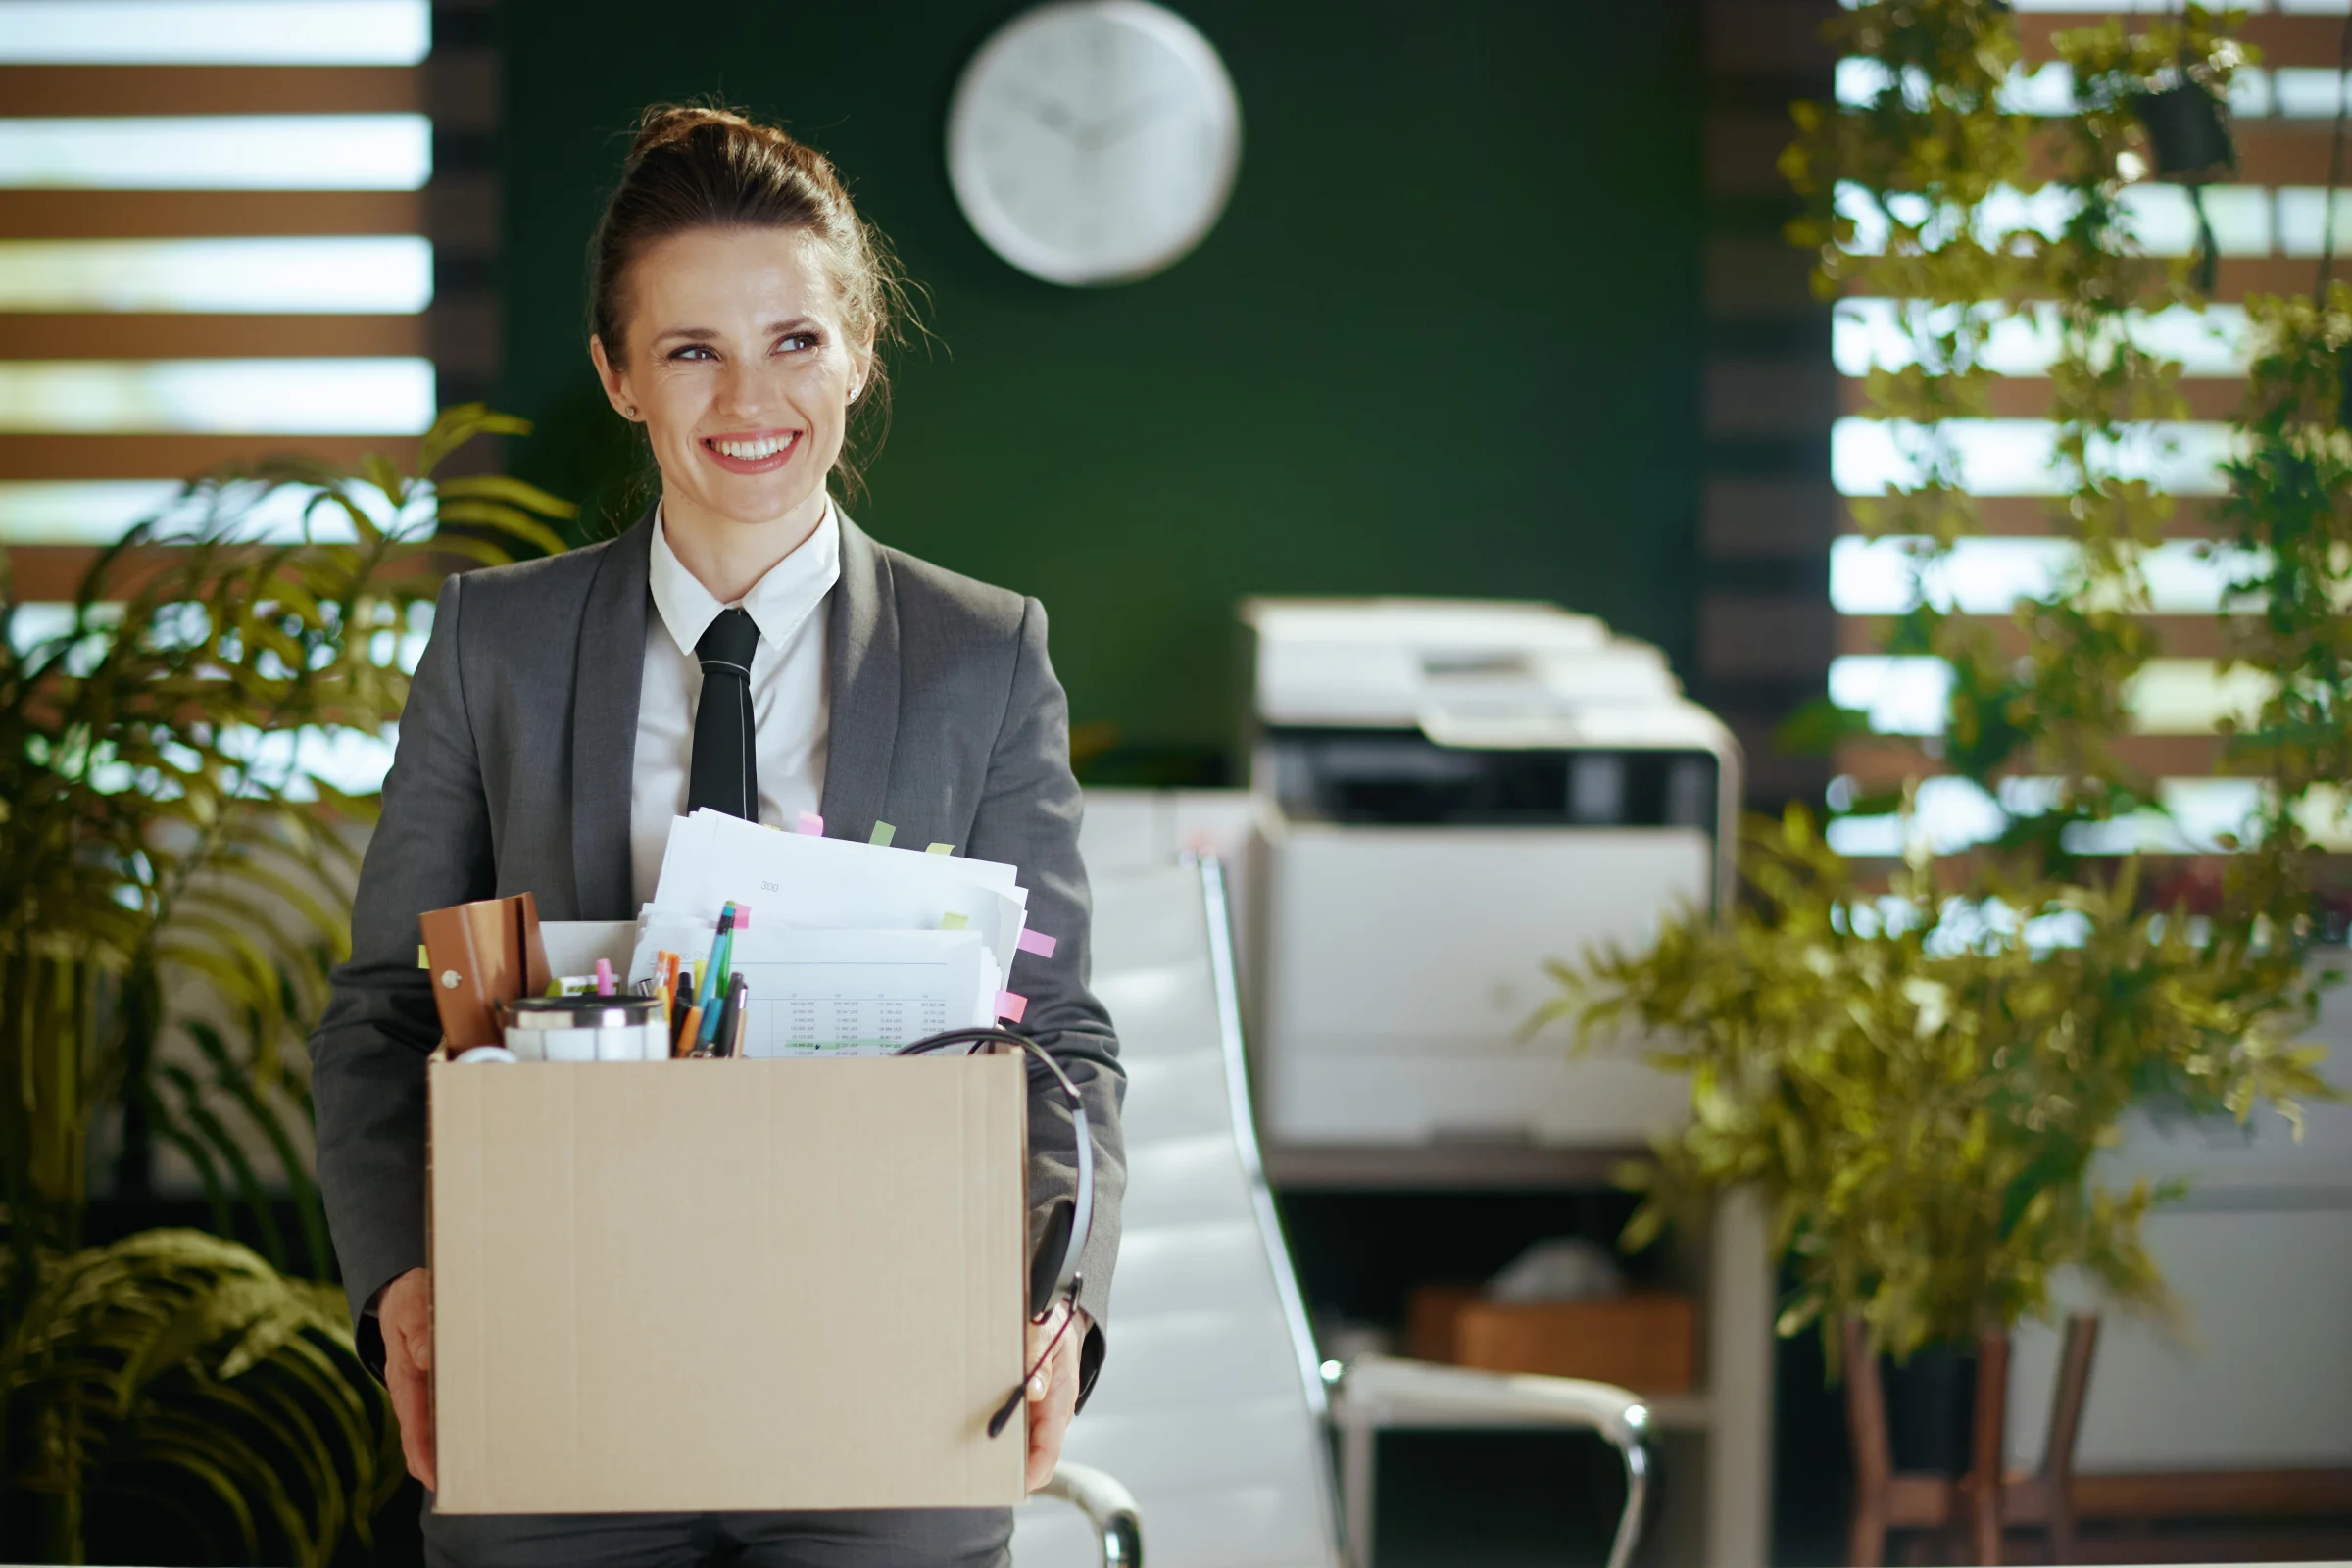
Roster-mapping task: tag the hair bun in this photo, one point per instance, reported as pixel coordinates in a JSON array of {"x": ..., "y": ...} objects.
[{"x": 664, "y": 123}]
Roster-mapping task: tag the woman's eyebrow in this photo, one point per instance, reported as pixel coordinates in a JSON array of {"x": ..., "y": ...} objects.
[{"x": 697, "y": 334}]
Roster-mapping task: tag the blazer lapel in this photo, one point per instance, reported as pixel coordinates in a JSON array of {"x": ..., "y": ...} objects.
[
  {"x": 862, "y": 686},
  {"x": 608, "y": 680}
]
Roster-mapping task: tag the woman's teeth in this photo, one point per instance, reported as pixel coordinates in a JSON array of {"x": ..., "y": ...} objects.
[{"x": 768, "y": 446}]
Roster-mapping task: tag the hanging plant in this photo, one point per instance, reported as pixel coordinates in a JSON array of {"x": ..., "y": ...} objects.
[{"x": 1919, "y": 1073}]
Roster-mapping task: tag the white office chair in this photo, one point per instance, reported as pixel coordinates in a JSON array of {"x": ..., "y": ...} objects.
[{"x": 1212, "y": 1407}]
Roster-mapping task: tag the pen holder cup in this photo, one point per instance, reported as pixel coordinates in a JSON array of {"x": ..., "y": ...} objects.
[{"x": 586, "y": 1029}]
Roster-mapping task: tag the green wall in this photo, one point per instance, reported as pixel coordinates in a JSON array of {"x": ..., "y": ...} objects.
[{"x": 1444, "y": 341}]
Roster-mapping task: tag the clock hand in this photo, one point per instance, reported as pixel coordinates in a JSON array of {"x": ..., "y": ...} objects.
[
  {"x": 1126, "y": 123},
  {"x": 1050, "y": 112}
]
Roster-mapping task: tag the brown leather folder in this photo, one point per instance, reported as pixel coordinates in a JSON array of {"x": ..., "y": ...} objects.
[{"x": 480, "y": 954}]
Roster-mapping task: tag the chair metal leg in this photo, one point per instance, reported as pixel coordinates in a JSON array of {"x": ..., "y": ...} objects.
[
  {"x": 1359, "y": 1460},
  {"x": 1118, "y": 1524},
  {"x": 1379, "y": 1390}
]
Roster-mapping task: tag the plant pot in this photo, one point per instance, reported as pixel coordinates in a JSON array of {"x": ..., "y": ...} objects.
[
  {"x": 1940, "y": 1465},
  {"x": 1930, "y": 1408}
]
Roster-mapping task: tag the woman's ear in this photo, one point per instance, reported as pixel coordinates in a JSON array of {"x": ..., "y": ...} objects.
[
  {"x": 862, "y": 368},
  {"x": 617, "y": 386}
]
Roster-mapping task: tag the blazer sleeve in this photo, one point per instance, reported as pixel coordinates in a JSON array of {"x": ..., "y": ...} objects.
[
  {"x": 431, "y": 848},
  {"x": 1028, "y": 816}
]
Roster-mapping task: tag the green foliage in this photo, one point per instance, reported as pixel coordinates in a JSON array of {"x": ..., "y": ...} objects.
[
  {"x": 178, "y": 1373},
  {"x": 1920, "y": 1078},
  {"x": 1920, "y": 1082},
  {"x": 176, "y": 873},
  {"x": 2290, "y": 506},
  {"x": 161, "y": 835}
]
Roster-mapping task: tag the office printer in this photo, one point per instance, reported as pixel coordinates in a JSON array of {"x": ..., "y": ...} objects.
[{"x": 1452, "y": 793}]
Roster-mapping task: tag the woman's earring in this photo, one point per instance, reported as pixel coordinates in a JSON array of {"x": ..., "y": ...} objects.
[
  {"x": 854, "y": 390},
  {"x": 632, "y": 411}
]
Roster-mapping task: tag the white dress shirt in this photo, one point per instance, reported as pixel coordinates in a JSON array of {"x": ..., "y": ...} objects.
[{"x": 792, "y": 606}]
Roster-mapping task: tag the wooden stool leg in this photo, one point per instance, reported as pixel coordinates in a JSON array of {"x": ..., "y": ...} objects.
[
  {"x": 1987, "y": 1446},
  {"x": 1873, "y": 1457},
  {"x": 2065, "y": 1429}
]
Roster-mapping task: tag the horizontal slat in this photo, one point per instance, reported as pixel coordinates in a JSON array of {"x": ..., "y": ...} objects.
[
  {"x": 55, "y": 573},
  {"x": 2029, "y": 396},
  {"x": 175, "y": 457},
  {"x": 2235, "y": 278},
  {"x": 140, "y": 215},
  {"x": 2290, "y": 152},
  {"x": 46, "y": 90},
  {"x": 2269, "y": 152},
  {"x": 2177, "y": 636},
  {"x": 2028, "y": 516},
  {"x": 207, "y": 337},
  {"x": 1751, "y": 636},
  {"x": 2283, "y": 39},
  {"x": 2214, "y": 1494},
  {"x": 1883, "y": 762}
]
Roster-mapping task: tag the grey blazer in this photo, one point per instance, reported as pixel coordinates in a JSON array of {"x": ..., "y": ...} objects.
[{"x": 514, "y": 774}]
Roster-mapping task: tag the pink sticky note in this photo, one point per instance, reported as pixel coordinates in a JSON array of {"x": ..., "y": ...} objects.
[
  {"x": 811, "y": 824},
  {"x": 1037, "y": 942},
  {"x": 1012, "y": 1004}
]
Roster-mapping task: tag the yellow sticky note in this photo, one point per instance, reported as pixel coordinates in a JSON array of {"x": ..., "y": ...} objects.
[
  {"x": 951, "y": 921},
  {"x": 940, "y": 849},
  {"x": 423, "y": 963},
  {"x": 882, "y": 834}
]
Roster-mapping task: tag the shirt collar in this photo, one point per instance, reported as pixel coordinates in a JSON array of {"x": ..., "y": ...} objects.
[{"x": 778, "y": 603}]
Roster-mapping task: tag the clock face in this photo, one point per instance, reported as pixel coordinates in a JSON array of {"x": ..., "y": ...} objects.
[{"x": 1093, "y": 141}]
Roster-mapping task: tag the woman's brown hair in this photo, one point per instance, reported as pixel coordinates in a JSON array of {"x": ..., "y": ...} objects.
[{"x": 693, "y": 167}]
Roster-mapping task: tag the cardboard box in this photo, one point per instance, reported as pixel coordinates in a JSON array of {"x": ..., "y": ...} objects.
[
  {"x": 1646, "y": 1341},
  {"x": 722, "y": 1284}
]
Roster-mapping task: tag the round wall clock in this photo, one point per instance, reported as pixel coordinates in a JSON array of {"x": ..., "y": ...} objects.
[{"x": 1093, "y": 141}]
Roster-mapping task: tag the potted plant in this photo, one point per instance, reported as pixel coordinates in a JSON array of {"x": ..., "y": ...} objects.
[
  {"x": 175, "y": 870},
  {"x": 1918, "y": 1051}
]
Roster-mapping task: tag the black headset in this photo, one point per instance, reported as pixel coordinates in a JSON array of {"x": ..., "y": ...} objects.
[{"x": 1054, "y": 1269}]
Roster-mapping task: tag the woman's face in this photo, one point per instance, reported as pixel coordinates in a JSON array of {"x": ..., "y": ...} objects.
[{"x": 739, "y": 362}]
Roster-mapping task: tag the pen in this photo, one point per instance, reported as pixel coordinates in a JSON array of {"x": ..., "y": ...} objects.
[
  {"x": 731, "y": 1019},
  {"x": 743, "y": 1015},
  {"x": 706, "y": 992},
  {"x": 689, "y": 1036}
]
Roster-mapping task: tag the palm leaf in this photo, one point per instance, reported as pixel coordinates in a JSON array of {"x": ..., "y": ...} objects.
[{"x": 174, "y": 1353}]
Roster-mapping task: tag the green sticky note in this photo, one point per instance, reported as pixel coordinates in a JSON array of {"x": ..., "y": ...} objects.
[
  {"x": 951, "y": 921},
  {"x": 882, "y": 834},
  {"x": 940, "y": 849},
  {"x": 423, "y": 963}
]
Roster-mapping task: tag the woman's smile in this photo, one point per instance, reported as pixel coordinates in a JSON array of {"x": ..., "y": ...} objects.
[{"x": 752, "y": 451}]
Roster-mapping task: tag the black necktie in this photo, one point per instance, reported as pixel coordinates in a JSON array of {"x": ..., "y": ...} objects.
[{"x": 725, "y": 775}]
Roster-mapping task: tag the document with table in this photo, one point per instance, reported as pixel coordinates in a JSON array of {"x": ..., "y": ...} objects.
[{"x": 847, "y": 948}]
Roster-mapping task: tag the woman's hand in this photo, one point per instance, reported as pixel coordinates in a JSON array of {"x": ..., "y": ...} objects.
[
  {"x": 1053, "y": 1391},
  {"x": 404, "y": 1311}
]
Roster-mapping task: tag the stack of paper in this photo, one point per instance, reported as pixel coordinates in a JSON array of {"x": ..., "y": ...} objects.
[{"x": 851, "y": 949}]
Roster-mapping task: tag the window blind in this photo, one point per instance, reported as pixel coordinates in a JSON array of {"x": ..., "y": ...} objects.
[
  {"x": 215, "y": 241},
  {"x": 2270, "y": 228}
]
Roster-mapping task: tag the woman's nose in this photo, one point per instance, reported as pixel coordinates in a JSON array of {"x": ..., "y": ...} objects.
[{"x": 742, "y": 390}]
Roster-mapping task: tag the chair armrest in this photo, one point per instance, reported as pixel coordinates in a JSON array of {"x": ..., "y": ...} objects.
[
  {"x": 1110, "y": 1505},
  {"x": 1375, "y": 1384}
]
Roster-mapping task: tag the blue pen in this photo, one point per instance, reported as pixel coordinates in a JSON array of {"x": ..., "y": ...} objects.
[
  {"x": 723, "y": 954},
  {"x": 710, "y": 985}
]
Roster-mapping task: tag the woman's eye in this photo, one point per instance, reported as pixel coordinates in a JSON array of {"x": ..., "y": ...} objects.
[
  {"x": 797, "y": 341},
  {"x": 692, "y": 350}
]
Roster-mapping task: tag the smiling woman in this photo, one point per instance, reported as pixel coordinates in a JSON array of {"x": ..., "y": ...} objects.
[{"x": 745, "y": 648}]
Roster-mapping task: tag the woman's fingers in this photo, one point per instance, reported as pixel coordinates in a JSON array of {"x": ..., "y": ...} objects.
[
  {"x": 1052, "y": 1396},
  {"x": 413, "y": 1406}
]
